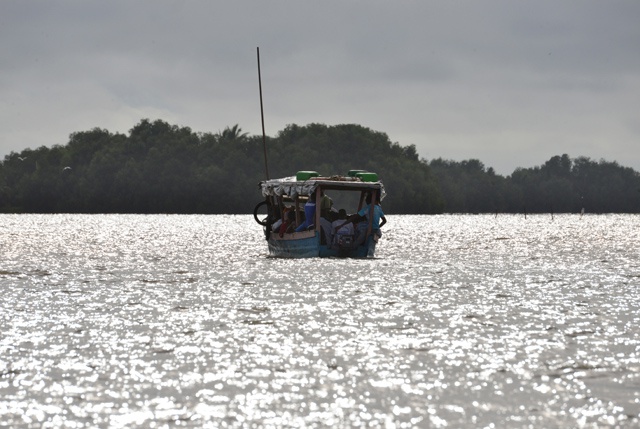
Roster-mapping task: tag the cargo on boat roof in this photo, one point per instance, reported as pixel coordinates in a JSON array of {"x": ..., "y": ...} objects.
[{"x": 304, "y": 183}]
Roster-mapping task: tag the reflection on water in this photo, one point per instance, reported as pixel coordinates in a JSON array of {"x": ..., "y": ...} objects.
[{"x": 183, "y": 321}]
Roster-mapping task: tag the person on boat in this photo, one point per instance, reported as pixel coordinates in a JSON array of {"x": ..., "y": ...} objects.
[
  {"x": 341, "y": 226},
  {"x": 275, "y": 227},
  {"x": 327, "y": 215},
  {"x": 378, "y": 215},
  {"x": 309, "y": 215},
  {"x": 288, "y": 224},
  {"x": 326, "y": 203},
  {"x": 362, "y": 220},
  {"x": 341, "y": 229}
]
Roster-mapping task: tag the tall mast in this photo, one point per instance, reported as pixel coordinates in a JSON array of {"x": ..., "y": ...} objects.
[{"x": 264, "y": 137}]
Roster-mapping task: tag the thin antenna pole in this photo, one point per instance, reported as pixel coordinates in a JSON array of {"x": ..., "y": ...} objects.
[{"x": 264, "y": 137}]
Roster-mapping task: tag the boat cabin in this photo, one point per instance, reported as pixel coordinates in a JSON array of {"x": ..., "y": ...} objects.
[{"x": 304, "y": 214}]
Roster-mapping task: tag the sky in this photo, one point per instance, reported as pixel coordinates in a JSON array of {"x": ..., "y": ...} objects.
[{"x": 509, "y": 82}]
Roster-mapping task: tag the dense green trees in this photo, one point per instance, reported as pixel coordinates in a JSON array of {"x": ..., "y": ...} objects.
[
  {"x": 162, "y": 168},
  {"x": 561, "y": 185}
]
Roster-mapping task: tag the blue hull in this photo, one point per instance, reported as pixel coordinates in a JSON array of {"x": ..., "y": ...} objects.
[{"x": 309, "y": 246}]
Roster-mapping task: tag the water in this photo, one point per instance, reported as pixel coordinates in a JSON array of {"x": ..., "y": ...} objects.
[{"x": 183, "y": 321}]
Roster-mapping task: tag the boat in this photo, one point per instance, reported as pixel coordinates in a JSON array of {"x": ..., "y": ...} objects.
[{"x": 287, "y": 199}]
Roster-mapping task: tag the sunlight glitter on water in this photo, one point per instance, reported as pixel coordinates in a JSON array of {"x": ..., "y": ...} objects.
[{"x": 163, "y": 321}]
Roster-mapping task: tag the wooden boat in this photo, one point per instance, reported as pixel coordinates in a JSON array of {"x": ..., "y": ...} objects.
[{"x": 290, "y": 197}]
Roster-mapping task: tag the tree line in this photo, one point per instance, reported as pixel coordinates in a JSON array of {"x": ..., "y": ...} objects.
[
  {"x": 560, "y": 185},
  {"x": 163, "y": 168}
]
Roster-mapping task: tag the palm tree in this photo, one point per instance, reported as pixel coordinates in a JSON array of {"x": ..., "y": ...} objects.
[{"x": 232, "y": 134}]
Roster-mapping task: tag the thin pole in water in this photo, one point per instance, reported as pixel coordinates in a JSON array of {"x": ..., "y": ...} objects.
[{"x": 264, "y": 137}]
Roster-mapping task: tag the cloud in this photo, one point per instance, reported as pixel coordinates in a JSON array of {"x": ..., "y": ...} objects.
[{"x": 509, "y": 83}]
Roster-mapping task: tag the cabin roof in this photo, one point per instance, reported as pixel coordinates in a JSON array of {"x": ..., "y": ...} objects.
[{"x": 292, "y": 187}]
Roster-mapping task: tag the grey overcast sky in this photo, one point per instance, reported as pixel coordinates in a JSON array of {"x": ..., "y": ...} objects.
[{"x": 509, "y": 82}]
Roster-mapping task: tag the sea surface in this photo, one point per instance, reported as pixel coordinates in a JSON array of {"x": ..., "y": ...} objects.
[{"x": 163, "y": 321}]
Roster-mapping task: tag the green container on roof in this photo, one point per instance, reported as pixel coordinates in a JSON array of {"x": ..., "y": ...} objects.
[
  {"x": 306, "y": 175},
  {"x": 367, "y": 176},
  {"x": 354, "y": 173}
]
